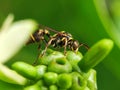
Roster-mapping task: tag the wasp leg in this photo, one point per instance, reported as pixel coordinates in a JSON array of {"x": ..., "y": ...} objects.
[
  {"x": 31, "y": 40},
  {"x": 39, "y": 49},
  {"x": 47, "y": 45},
  {"x": 82, "y": 44},
  {"x": 65, "y": 46},
  {"x": 32, "y": 37}
]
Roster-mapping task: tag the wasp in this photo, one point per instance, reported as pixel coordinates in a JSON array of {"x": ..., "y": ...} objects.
[
  {"x": 65, "y": 40},
  {"x": 57, "y": 40}
]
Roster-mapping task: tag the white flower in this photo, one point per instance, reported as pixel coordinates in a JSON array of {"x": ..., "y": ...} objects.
[{"x": 12, "y": 37}]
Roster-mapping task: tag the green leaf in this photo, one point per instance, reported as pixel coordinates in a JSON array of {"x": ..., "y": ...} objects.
[{"x": 105, "y": 17}]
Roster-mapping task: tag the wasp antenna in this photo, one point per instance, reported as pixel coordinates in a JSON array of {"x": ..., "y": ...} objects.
[
  {"x": 48, "y": 28},
  {"x": 86, "y": 46}
]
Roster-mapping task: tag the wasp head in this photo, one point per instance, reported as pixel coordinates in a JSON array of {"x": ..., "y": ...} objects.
[{"x": 73, "y": 45}]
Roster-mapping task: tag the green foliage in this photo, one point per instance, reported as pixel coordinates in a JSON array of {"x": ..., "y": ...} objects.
[{"x": 87, "y": 20}]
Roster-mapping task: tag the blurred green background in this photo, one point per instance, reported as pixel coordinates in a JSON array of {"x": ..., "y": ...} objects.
[{"x": 87, "y": 20}]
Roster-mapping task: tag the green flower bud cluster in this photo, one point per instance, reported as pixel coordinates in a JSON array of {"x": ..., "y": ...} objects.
[
  {"x": 60, "y": 73},
  {"x": 56, "y": 71}
]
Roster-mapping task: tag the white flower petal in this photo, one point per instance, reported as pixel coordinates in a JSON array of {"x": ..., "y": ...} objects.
[{"x": 15, "y": 37}]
